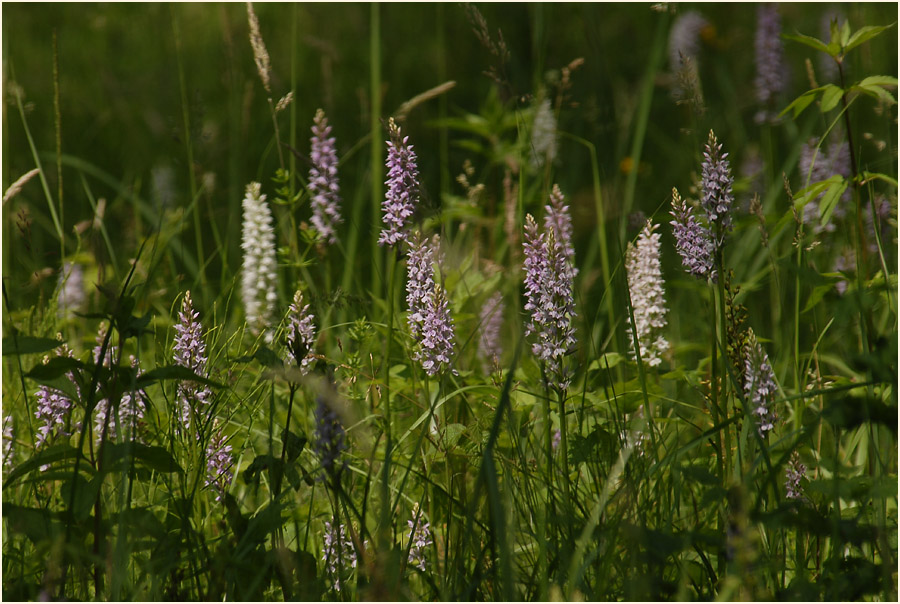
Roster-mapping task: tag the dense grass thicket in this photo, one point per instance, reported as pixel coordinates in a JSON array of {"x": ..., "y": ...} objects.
[{"x": 449, "y": 302}]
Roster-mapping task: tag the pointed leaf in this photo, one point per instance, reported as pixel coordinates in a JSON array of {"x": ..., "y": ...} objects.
[
  {"x": 28, "y": 344},
  {"x": 830, "y": 200},
  {"x": 830, "y": 97},
  {"x": 807, "y": 41},
  {"x": 864, "y": 34},
  {"x": 42, "y": 458},
  {"x": 174, "y": 372},
  {"x": 55, "y": 368}
]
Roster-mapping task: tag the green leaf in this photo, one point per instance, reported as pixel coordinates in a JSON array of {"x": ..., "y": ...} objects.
[
  {"x": 173, "y": 372},
  {"x": 607, "y": 359},
  {"x": 154, "y": 458},
  {"x": 864, "y": 34},
  {"x": 874, "y": 86},
  {"x": 45, "y": 457},
  {"x": 293, "y": 444},
  {"x": 830, "y": 200},
  {"x": 35, "y": 523},
  {"x": 801, "y": 102},
  {"x": 55, "y": 368},
  {"x": 879, "y": 176},
  {"x": 830, "y": 97},
  {"x": 816, "y": 296},
  {"x": 814, "y": 43},
  {"x": 28, "y": 345},
  {"x": 845, "y": 33}
]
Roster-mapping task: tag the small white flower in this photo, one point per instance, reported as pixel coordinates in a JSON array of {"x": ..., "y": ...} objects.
[
  {"x": 259, "y": 278},
  {"x": 648, "y": 301}
]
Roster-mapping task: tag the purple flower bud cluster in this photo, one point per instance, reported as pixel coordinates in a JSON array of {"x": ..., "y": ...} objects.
[
  {"x": 549, "y": 297},
  {"x": 324, "y": 188},
  {"x": 645, "y": 285},
  {"x": 301, "y": 336},
  {"x": 420, "y": 539},
  {"x": 717, "y": 197},
  {"x": 770, "y": 67},
  {"x": 491, "y": 321},
  {"x": 759, "y": 385},
  {"x": 329, "y": 437},
  {"x": 338, "y": 553},
  {"x": 190, "y": 351},
  {"x": 403, "y": 188},
  {"x": 693, "y": 240},
  {"x": 219, "y": 464},
  {"x": 428, "y": 315},
  {"x": 793, "y": 475}
]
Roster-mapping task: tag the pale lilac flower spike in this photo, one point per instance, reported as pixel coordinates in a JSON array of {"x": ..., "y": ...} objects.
[
  {"x": 645, "y": 284},
  {"x": 693, "y": 240},
  {"x": 759, "y": 385},
  {"x": 420, "y": 538},
  {"x": 491, "y": 321},
  {"x": 420, "y": 280},
  {"x": 53, "y": 407},
  {"x": 793, "y": 475},
  {"x": 428, "y": 315},
  {"x": 259, "y": 272},
  {"x": 338, "y": 552},
  {"x": 301, "y": 336},
  {"x": 324, "y": 187},
  {"x": 8, "y": 440},
  {"x": 717, "y": 196},
  {"x": 403, "y": 188},
  {"x": 219, "y": 463},
  {"x": 770, "y": 68},
  {"x": 190, "y": 351},
  {"x": 559, "y": 220},
  {"x": 437, "y": 343}
]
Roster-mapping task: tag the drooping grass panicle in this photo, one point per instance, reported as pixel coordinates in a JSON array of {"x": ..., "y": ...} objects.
[
  {"x": 717, "y": 197},
  {"x": 219, "y": 462},
  {"x": 301, "y": 334},
  {"x": 402, "y": 188},
  {"x": 549, "y": 300},
  {"x": 259, "y": 273},
  {"x": 329, "y": 438},
  {"x": 684, "y": 38},
  {"x": 324, "y": 186},
  {"x": 759, "y": 385},
  {"x": 189, "y": 350},
  {"x": 15, "y": 188},
  {"x": 260, "y": 54},
  {"x": 645, "y": 284},
  {"x": 770, "y": 66},
  {"x": 693, "y": 240},
  {"x": 490, "y": 323}
]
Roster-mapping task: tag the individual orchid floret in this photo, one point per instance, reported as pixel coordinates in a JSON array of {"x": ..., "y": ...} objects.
[
  {"x": 491, "y": 321},
  {"x": 770, "y": 68},
  {"x": 759, "y": 385},
  {"x": 324, "y": 187},
  {"x": 403, "y": 188},
  {"x": 301, "y": 336},
  {"x": 219, "y": 463},
  {"x": 189, "y": 351},
  {"x": 259, "y": 275},
  {"x": 420, "y": 538},
  {"x": 716, "y": 184},
  {"x": 645, "y": 284}
]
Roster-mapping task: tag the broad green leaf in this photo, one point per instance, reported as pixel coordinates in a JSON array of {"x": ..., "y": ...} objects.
[
  {"x": 830, "y": 97},
  {"x": 864, "y": 34},
  {"x": 607, "y": 359},
  {"x": 28, "y": 345},
  {"x": 173, "y": 372},
  {"x": 814, "y": 43},
  {"x": 830, "y": 200},
  {"x": 42, "y": 458},
  {"x": 54, "y": 368},
  {"x": 879, "y": 176},
  {"x": 816, "y": 296},
  {"x": 845, "y": 33},
  {"x": 801, "y": 102},
  {"x": 154, "y": 458}
]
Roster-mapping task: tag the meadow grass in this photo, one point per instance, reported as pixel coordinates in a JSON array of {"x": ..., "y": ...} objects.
[{"x": 663, "y": 412}]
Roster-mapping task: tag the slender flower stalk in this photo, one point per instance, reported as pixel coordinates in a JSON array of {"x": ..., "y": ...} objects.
[
  {"x": 420, "y": 538},
  {"x": 491, "y": 321},
  {"x": 301, "y": 336},
  {"x": 759, "y": 385},
  {"x": 189, "y": 351},
  {"x": 770, "y": 68},
  {"x": 324, "y": 186},
  {"x": 645, "y": 284},
  {"x": 219, "y": 463},
  {"x": 549, "y": 299},
  {"x": 403, "y": 188},
  {"x": 717, "y": 197},
  {"x": 259, "y": 275}
]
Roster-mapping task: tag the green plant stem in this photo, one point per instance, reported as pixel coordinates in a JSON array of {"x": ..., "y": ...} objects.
[{"x": 375, "y": 132}]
